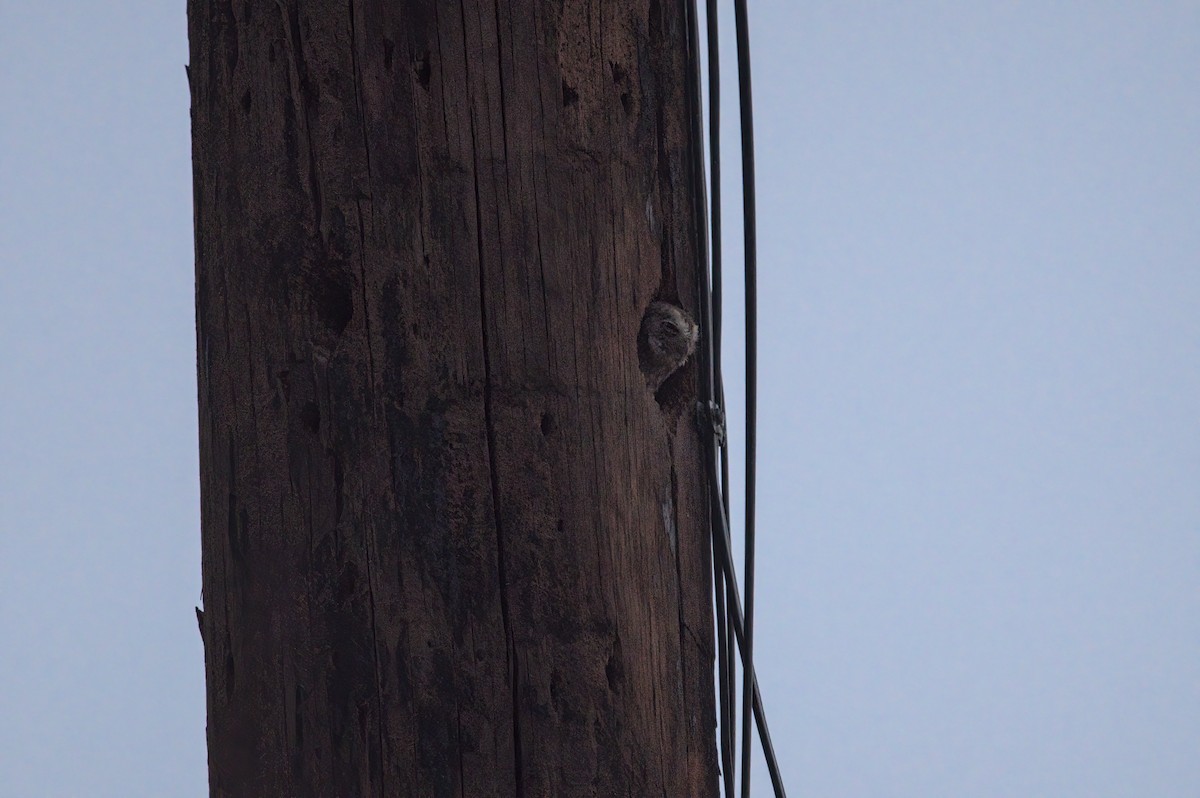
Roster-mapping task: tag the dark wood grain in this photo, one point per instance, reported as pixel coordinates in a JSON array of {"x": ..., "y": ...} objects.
[{"x": 452, "y": 544}]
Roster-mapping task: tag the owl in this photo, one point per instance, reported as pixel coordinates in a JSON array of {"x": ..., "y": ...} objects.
[{"x": 666, "y": 340}]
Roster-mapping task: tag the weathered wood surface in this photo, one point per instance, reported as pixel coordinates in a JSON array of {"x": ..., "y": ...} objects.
[{"x": 452, "y": 545}]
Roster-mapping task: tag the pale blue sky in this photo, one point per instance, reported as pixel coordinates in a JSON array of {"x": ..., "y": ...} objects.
[{"x": 979, "y": 571}]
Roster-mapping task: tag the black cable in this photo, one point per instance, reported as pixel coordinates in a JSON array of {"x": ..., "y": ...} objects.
[
  {"x": 737, "y": 623},
  {"x": 714, "y": 176},
  {"x": 705, "y": 353},
  {"x": 725, "y": 675},
  {"x": 733, "y": 627},
  {"x": 749, "y": 235},
  {"x": 708, "y": 378},
  {"x": 724, "y": 668}
]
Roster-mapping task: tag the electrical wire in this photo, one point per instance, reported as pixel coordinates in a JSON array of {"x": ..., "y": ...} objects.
[
  {"x": 709, "y": 360},
  {"x": 735, "y": 629},
  {"x": 737, "y": 623},
  {"x": 749, "y": 235},
  {"x": 725, "y": 642}
]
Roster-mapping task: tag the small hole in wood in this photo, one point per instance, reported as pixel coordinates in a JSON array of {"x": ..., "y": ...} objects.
[
  {"x": 570, "y": 96},
  {"x": 310, "y": 416},
  {"x": 334, "y": 305},
  {"x": 285, "y": 383},
  {"x": 422, "y": 69},
  {"x": 347, "y": 584},
  {"x": 548, "y": 423},
  {"x": 614, "y": 671},
  {"x": 389, "y": 50}
]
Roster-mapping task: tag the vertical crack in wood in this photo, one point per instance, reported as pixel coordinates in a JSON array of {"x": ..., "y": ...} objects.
[
  {"x": 537, "y": 229},
  {"x": 302, "y": 91},
  {"x": 380, "y": 772},
  {"x": 357, "y": 76},
  {"x": 458, "y": 736},
  {"x": 500, "y": 80},
  {"x": 225, "y": 556},
  {"x": 362, "y": 263},
  {"x": 379, "y": 735},
  {"x": 679, "y": 598},
  {"x": 624, "y": 372},
  {"x": 437, "y": 23},
  {"x": 493, "y": 466}
]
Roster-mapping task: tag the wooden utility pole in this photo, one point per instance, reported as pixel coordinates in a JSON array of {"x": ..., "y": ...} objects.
[{"x": 452, "y": 544}]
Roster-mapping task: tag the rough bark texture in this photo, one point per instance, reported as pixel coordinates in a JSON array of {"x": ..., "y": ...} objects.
[{"x": 452, "y": 544}]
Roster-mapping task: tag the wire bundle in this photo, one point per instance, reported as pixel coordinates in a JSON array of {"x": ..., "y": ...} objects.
[{"x": 735, "y": 629}]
